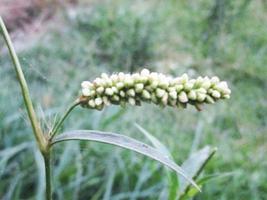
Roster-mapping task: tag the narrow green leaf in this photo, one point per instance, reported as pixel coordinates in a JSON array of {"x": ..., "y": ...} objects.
[
  {"x": 125, "y": 142},
  {"x": 193, "y": 166},
  {"x": 155, "y": 142}
]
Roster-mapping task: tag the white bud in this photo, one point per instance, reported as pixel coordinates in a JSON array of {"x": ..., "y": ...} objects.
[
  {"x": 164, "y": 99},
  {"x": 202, "y": 90},
  {"x": 131, "y": 101},
  {"x": 109, "y": 91},
  {"x": 216, "y": 94},
  {"x": 106, "y": 101},
  {"x": 91, "y": 103},
  {"x": 179, "y": 88},
  {"x": 121, "y": 76},
  {"x": 206, "y": 83},
  {"x": 188, "y": 86},
  {"x": 160, "y": 92},
  {"x": 145, "y": 72},
  {"x": 104, "y": 76},
  {"x": 98, "y": 101},
  {"x": 183, "y": 97},
  {"x": 155, "y": 84},
  {"x": 173, "y": 94},
  {"x": 115, "y": 90},
  {"x": 209, "y": 99},
  {"x": 146, "y": 94},
  {"x": 192, "y": 95},
  {"x": 115, "y": 98},
  {"x": 131, "y": 92},
  {"x": 122, "y": 93},
  {"x": 86, "y": 84},
  {"x": 100, "y": 90},
  {"x": 215, "y": 80},
  {"x": 99, "y": 82},
  {"x": 114, "y": 78},
  {"x": 201, "y": 97},
  {"x": 226, "y": 96},
  {"x": 184, "y": 78},
  {"x": 128, "y": 81},
  {"x": 119, "y": 85},
  {"x": 86, "y": 92},
  {"x": 139, "y": 87}
]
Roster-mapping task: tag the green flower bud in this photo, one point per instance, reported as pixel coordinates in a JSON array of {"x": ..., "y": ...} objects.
[
  {"x": 173, "y": 94},
  {"x": 216, "y": 94},
  {"x": 109, "y": 91},
  {"x": 131, "y": 92},
  {"x": 160, "y": 92},
  {"x": 192, "y": 95},
  {"x": 146, "y": 94},
  {"x": 139, "y": 87},
  {"x": 98, "y": 101},
  {"x": 183, "y": 97}
]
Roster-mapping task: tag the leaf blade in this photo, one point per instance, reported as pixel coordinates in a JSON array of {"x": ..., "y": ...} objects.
[{"x": 124, "y": 142}]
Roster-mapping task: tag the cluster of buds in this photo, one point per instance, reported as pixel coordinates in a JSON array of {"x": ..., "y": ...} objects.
[{"x": 152, "y": 87}]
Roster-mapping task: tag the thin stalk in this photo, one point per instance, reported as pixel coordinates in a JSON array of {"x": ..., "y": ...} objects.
[
  {"x": 48, "y": 190},
  {"x": 42, "y": 143},
  {"x": 65, "y": 115}
]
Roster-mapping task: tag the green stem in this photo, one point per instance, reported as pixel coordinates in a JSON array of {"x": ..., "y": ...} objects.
[
  {"x": 41, "y": 140},
  {"x": 65, "y": 115},
  {"x": 48, "y": 193}
]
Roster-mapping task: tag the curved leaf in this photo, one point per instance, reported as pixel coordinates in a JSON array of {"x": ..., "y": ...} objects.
[
  {"x": 125, "y": 142},
  {"x": 193, "y": 166}
]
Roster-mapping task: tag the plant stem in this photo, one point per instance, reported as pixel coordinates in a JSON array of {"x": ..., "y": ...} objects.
[
  {"x": 65, "y": 115},
  {"x": 48, "y": 192},
  {"x": 41, "y": 140}
]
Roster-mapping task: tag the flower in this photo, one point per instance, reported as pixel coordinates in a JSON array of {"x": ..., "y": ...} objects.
[{"x": 152, "y": 87}]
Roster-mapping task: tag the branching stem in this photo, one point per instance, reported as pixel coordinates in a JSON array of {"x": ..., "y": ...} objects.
[{"x": 65, "y": 115}]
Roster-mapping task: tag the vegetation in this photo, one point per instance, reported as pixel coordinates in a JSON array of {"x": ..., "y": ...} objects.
[{"x": 226, "y": 38}]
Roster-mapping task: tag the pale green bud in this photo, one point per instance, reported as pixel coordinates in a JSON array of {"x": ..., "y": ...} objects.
[
  {"x": 115, "y": 98},
  {"x": 164, "y": 99},
  {"x": 119, "y": 85},
  {"x": 98, "y": 101},
  {"x": 226, "y": 96},
  {"x": 106, "y": 101},
  {"x": 160, "y": 92},
  {"x": 215, "y": 80},
  {"x": 86, "y": 92},
  {"x": 184, "y": 78},
  {"x": 209, "y": 99},
  {"x": 139, "y": 87},
  {"x": 145, "y": 72},
  {"x": 91, "y": 103},
  {"x": 216, "y": 94},
  {"x": 188, "y": 86},
  {"x": 115, "y": 90},
  {"x": 179, "y": 88},
  {"x": 122, "y": 93},
  {"x": 183, "y": 97},
  {"x": 146, "y": 94},
  {"x": 201, "y": 97},
  {"x": 100, "y": 90},
  {"x": 131, "y": 92},
  {"x": 206, "y": 83},
  {"x": 131, "y": 101},
  {"x": 109, "y": 91},
  {"x": 173, "y": 94},
  {"x": 192, "y": 95},
  {"x": 86, "y": 84}
]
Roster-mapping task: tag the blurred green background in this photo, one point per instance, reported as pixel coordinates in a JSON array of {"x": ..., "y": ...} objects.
[{"x": 80, "y": 40}]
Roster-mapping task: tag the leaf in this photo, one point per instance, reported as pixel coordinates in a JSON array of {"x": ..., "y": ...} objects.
[
  {"x": 125, "y": 142},
  {"x": 156, "y": 143},
  {"x": 193, "y": 166}
]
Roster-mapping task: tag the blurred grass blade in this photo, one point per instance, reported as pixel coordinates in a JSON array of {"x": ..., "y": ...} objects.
[
  {"x": 125, "y": 142},
  {"x": 193, "y": 166},
  {"x": 156, "y": 143}
]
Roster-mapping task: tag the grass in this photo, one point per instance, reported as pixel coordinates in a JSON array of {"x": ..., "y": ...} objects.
[{"x": 177, "y": 37}]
